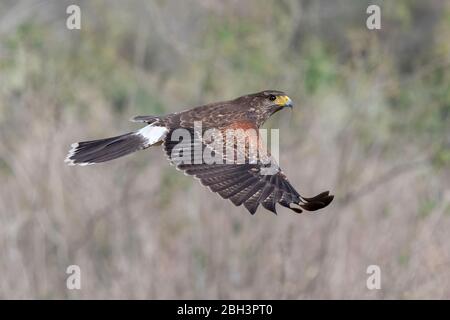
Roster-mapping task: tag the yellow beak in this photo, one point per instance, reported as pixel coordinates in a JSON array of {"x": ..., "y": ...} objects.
[{"x": 283, "y": 101}]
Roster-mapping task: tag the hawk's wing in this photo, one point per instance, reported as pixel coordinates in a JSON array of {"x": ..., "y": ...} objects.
[{"x": 246, "y": 183}]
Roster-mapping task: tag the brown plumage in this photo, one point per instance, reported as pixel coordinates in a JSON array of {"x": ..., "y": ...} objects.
[{"x": 241, "y": 182}]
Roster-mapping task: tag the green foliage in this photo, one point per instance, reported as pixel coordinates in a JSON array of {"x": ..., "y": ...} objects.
[
  {"x": 319, "y": 68},
  {"x": 441, "y": 158},
  {"x": 147, "y": 103}
]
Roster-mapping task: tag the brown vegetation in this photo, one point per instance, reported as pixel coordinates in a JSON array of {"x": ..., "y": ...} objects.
[{"x": 370, "y": 123}]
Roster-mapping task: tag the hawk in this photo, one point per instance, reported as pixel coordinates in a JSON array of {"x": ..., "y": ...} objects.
[{"x": 242, "y": 182}]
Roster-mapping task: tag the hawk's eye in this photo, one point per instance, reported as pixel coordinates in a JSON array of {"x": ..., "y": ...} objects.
[{"x": 272, "y": 97}]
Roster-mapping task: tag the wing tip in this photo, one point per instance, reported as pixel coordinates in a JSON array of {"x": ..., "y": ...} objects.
[{"x": 317, "y": 202}]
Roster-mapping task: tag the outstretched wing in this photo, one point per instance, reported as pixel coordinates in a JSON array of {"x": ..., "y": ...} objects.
[{"x": 245, "y": 183}]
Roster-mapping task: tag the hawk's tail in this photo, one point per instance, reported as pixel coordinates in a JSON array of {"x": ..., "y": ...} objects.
[{"x": 96, "y": 151}]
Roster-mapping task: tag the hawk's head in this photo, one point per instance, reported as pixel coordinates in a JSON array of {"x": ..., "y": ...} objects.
[{"x": 265, "y": 103}]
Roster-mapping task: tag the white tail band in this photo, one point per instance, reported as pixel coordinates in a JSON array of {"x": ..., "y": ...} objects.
[{"x": 152, "y": 134}]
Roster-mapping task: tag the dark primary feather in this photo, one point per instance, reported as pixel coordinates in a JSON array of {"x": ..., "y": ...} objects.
[{"x": 243, "y": 184}]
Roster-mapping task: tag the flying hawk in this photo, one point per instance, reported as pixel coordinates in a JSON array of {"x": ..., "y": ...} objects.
[{"x": 243, "y": 182}]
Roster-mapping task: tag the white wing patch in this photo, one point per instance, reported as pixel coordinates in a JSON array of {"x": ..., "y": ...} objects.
[{"x": 152, "y": 134}]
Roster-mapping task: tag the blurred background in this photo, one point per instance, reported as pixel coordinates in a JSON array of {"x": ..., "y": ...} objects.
[{"x": 371, "y": 123}]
